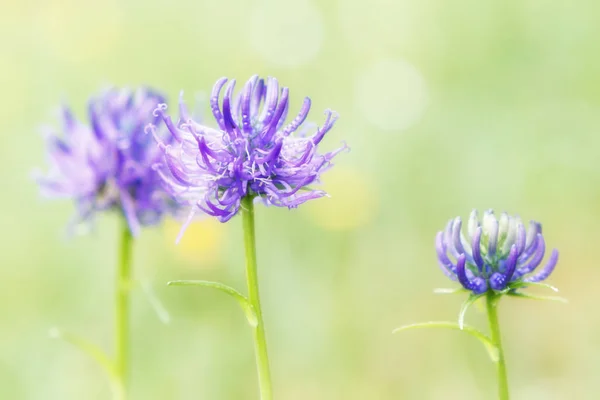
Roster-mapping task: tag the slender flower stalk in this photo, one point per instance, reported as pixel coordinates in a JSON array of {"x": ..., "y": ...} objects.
[
  {"x": 253, "y": 153},
  {"x": 492, "y": 313},
  {"x": 107, "y": 165},
  {"x": 122, "y": 290},
  {"x": 260, "y": 340},
  {"x": 496, "y": 258}
]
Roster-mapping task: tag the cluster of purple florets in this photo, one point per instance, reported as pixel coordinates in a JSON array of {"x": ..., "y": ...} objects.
[
  {"x": 111, "y": 162},
  {"x": 106, "y": 162},
  {"x": 494, "y": 254},
  {"x": 252, "y": 151}
]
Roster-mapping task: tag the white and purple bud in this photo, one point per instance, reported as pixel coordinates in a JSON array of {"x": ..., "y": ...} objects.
[{"x": 494, "y": 254}]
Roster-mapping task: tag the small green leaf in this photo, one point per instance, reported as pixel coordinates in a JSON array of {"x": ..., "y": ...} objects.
[
  {"x": 449, "y": 290},
  {"x": 465, "y": 306},
  {"x": 522, "y": 284},
  {"x": 242, "y": 300},
  {"x": 96, "y": 354},
  {"x": 482, "y": 337},
  {"x": 535, "y": 297}
]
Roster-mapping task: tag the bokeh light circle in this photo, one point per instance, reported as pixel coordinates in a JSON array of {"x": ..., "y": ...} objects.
[
  {"x": 286, "y": 33},
  {"x": 391, "y": 94}
]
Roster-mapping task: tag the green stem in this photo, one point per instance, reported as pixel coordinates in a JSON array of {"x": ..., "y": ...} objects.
[
  {"x": 123, "y": 286},
  {"x": 260, "y": 342},
  {"x": 492, "y": 312}
]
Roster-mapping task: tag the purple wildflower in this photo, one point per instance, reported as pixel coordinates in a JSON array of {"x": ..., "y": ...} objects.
[
  {"x": 253, "y": 152},
  {"x": 107, "y": 164},
  {"x": 495, "y": 254}
]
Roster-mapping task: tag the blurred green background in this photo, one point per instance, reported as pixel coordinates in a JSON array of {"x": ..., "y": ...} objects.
[{"x": 447, "y": 105}]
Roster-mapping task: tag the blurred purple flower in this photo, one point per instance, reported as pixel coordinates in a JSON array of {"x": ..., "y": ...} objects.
[
  {"x": 495, "y": 254},
  {"x": 107, "y": 164},
  {"x": 253, "y": 152}
]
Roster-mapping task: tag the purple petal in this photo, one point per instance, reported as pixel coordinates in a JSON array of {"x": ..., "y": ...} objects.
[
  {"x": 444, "y": 262},
  {"x": 520, "y": 241},
  {"x": 245, "y": 103},
  {"x": 511, "y": 262},
  {"x": 329, "y": 121},
  {"x": 476, "y": 248},
  {"x": 230, "y": 124},
  {"x": 537, "y": 257},
  {"x": 300, "y": 118},
  {"x": 498, "y": 281},
  {"x": 448, "y": 241},
  {"x": 214, "y": 102},
  {"x": 532, "y": 233},
  {"x": 547, "y": 270},
  {"x": 271, "y": 100},
  {"x": 460, "y": 272},
  {"x": 456, "y": 236},
  {"x": 478, "y": 285},
  {"x": 257, "y": 95},
  {"x": 272, "y": 126}
]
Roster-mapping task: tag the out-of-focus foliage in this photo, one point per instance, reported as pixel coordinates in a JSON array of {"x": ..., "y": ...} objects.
[{"x": 447, "y": 105}]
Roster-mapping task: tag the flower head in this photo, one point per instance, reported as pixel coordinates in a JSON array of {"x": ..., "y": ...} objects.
[
  {"x": 495, "y": 254},
  {"x": 252, "y": 152},
  {"x": 107, "y": 163}
]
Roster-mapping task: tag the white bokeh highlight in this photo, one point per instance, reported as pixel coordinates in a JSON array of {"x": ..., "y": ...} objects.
[
  {"x": 286, "y": 33},
  {"x": 391, "y": 94}
]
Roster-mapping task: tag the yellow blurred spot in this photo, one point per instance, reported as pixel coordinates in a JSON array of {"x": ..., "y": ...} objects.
[
  {"x": 201, "y": 243},
  {"x": 353, "y": 201}
]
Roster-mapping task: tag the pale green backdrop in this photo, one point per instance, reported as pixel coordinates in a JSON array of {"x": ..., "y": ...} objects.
[{"x": 447, "y": 105}]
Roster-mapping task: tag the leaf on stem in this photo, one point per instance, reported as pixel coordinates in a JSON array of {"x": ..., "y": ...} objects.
[
  {"x": 535, "y": 297},
  {"x": 96, "y": 354},
  {"x": 477, "y": 334},
  {"x": 522, "y": 284},
  {"x": 242, "y": 300},
  {"x": 449, "y": 290},
  {"x": 157, "y": 305},
  {"x": 465, "y": 306}
]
